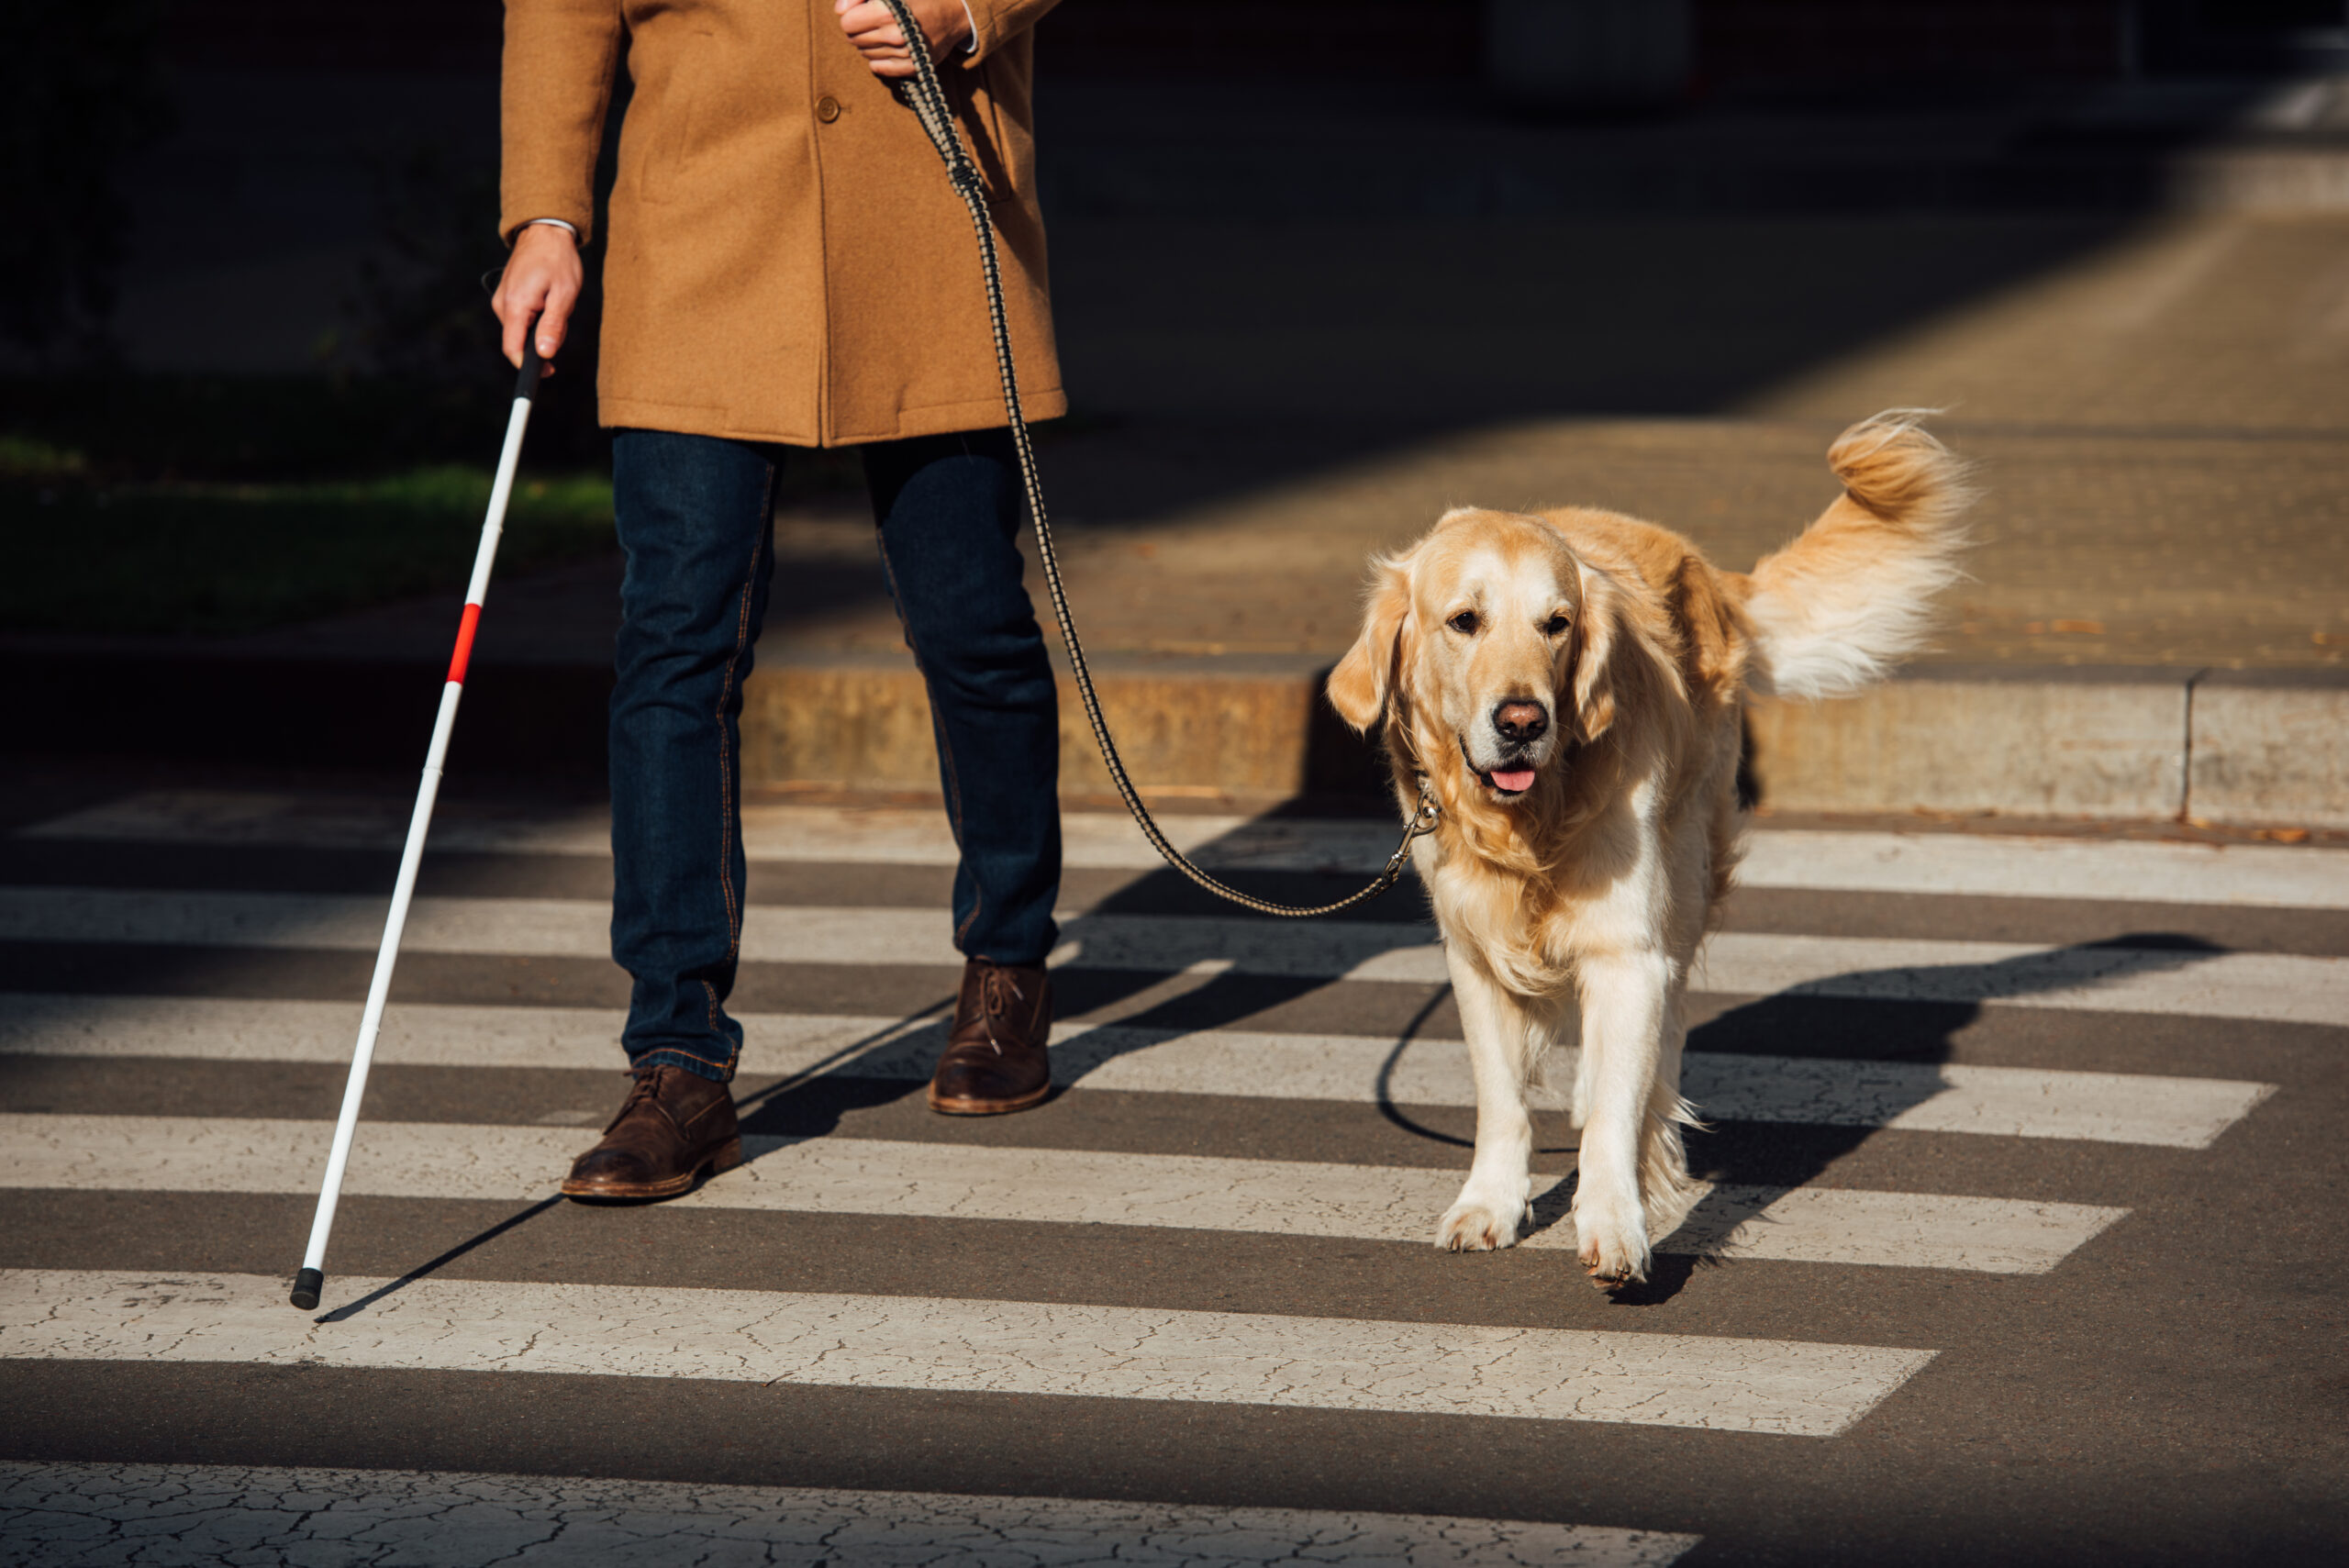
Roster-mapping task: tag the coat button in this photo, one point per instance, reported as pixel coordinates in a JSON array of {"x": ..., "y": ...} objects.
[{"x": 828, "y": 108}]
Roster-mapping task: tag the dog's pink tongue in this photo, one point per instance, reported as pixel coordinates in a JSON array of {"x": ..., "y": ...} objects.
[{"x": 1514, "y": 780}]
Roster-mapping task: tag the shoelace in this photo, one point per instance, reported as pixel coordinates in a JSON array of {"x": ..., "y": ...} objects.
[
  {"x": 647, "y": 1086},
  {"x": 991, "y": 984}
]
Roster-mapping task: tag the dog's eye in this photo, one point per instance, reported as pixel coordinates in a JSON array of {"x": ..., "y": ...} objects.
[
  {"x": 1465, "y": 623},
  {"x": 1555, "y": 624}
]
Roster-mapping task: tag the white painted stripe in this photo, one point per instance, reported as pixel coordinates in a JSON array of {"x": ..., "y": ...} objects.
[
  {"x": 853, "y": 835},
  {"x": 190, "y": 1513},
  {"x": 1923, "y": 1231},
  {"x": 2011, "y": 1102},
  {"x": 568, "y": 928},
  {"x": 414, "y": 1034},
  {"x": 954, "y": 1347},
  {"x": 2130, "y": 871},
  {"x": 2271, "y": 987},
  {"x": 2034, "y": 866},
  {"x": 946, "y": 1181},
  {"x": 2266, "y": 986},
  {"x": 2007, "y": 1102}
]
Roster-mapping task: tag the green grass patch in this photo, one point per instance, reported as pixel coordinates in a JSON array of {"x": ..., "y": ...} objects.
[{"x": 220, "y": 558}]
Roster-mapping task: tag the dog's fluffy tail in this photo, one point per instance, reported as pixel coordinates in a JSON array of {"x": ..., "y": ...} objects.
[{"x": 1837, "y": 608}]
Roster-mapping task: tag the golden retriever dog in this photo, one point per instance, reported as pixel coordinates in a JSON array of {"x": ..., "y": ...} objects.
[{"x": 1568, "y": 685}]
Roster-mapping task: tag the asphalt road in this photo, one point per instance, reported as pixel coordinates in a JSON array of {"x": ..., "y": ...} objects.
[{"x": 2026, "y": 1244}]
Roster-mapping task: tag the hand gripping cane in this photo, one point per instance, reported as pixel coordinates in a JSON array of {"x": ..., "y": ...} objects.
[{"x": 312, "y": 1278}]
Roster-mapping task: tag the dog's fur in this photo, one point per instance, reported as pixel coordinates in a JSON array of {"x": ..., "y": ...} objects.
[{"x": 1620, "y": 659}]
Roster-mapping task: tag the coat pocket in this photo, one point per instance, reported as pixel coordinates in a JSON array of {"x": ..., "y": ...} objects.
[{"x": 673, "y": 101}]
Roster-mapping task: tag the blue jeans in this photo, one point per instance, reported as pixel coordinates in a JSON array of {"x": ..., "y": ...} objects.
[{"x": 695, "y": 522}]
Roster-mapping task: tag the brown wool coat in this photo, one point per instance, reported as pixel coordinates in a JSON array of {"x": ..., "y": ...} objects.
[{"x": 785, "y": 261}]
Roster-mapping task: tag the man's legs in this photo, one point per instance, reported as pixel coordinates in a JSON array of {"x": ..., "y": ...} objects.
[
  {"x": 695, "y": 521},
  {"x": 948, "y": 508}
]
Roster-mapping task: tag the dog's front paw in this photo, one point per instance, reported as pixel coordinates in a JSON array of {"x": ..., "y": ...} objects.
[
  {"x": 1480, "y": 1222},
  {"x": 1613, "y": 1247}
]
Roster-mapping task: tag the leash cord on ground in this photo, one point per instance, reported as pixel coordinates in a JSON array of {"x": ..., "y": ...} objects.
[{"x": 927, "y": 98}]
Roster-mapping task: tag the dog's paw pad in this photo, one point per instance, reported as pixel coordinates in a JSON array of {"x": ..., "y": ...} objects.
[
  {"x": 1612, "y": 1281},
  {"x": 1473, "y": 1228},
  {"x": 1615, "y": 1257}
]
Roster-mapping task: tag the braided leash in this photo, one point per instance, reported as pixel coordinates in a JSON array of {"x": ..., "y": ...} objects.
[{"x": 927, "y": 98}]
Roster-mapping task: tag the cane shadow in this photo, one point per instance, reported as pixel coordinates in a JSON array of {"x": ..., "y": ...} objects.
[
  {"x": 423, "y": 1271},
  {"x": 907, "y": 1036},
  {"x": 877, "y": 1069},
  {"x": 1213, "y": 965},
  {"x": 898, "y": 1061}
]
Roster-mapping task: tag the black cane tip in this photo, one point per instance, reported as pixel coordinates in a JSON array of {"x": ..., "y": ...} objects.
[{"x": 306, "y": 1285}]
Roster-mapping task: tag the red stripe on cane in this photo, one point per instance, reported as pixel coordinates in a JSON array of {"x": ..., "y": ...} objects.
[{"x": 464, "y": 644}]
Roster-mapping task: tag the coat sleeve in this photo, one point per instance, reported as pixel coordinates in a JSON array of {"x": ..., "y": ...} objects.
[
  {"x": 560, "y": 59},
  {"x": 997, "y": 22}
]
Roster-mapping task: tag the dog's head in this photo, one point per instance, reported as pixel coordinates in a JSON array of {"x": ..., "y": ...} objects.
[{"x": 1497, "y": 637}]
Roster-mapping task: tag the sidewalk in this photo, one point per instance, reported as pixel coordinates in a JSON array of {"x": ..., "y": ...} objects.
[{"x": 2158, "y": 623}]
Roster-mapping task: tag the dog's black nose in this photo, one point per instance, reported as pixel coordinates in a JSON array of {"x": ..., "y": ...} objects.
[{"x": 1522, "y": 722}]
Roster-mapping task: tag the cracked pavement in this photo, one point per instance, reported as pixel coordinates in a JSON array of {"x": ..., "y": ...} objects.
[
  {"x": 2016, "y": 1160},
  {"x": 101, "y": 1515}
]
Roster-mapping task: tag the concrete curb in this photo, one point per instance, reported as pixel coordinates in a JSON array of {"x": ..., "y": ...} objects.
[
  {"x": 2120, "y": 743},
  {"x": 1232, "y": 727},
  {"x": 2267, "y": 746},
  {"x": 2239, "y": 747}
]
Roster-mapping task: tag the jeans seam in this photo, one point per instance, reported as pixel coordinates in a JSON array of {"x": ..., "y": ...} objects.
[
  {"x": 726, "y": 785},
  {"x": 938, "y": 738},
  {"x": 930, "y": 691},
  {"x": 953, "y": 776},
  {"x": 954, "y": 811}
]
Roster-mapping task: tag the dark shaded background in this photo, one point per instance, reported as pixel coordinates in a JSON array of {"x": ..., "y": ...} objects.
[{"x": 1286, "y": 238}]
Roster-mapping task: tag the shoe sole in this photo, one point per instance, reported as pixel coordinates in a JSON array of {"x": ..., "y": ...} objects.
[
  {"x": 946, "y": 1105},
  {"x": 728, "y": 1156}
]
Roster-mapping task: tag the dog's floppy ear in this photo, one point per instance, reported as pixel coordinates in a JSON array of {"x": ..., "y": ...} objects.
[
  {"x": 1596, "y": 631},
  {"x": 1364, "y": 678}
]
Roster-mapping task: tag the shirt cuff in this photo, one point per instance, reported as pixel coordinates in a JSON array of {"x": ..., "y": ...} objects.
[{"x": 551, "y": 223}]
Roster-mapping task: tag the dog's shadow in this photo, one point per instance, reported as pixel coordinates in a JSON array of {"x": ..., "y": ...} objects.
[
  {"x": 1787, "y": 1084},
  {"x": 1775, "y": 1079}
]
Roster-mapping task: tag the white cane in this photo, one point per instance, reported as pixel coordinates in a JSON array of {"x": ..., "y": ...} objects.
[{"x": 312, "y": 1278}]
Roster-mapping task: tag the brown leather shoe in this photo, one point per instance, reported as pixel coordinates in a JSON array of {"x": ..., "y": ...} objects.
[
  {"x": 995, "y": 1059},
  {"x": 673, "y": 1126}
]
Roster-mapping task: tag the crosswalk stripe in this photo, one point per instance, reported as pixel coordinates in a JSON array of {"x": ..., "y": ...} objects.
[
  {"x": 2266, "y": 986},
  {"x": 958, "y": 1345},
  {"x": 850, "y": 1175},
  {"x": 1980, "y": 865},
  {"x": 2009, "y": 1102},
  {"x": 2036, "y": 866},
  {"x": 2269, "y": 987},
  {"x": 55, "y": 1512}
]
